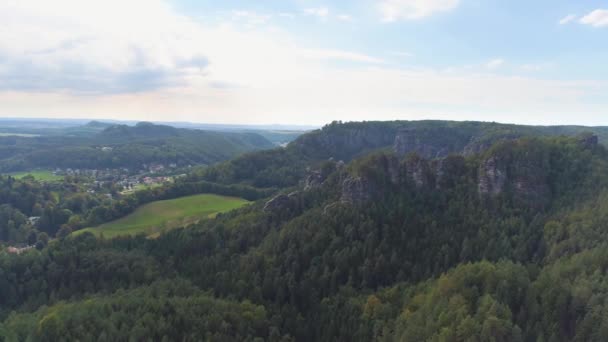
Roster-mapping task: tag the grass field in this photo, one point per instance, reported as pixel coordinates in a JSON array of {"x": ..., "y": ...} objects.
[
  {"x": 157, "y": 217},
  {"x": 40, "y": 175}
]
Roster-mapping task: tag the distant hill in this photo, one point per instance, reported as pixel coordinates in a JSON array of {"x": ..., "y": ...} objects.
[{"x": 130, "y": 146}]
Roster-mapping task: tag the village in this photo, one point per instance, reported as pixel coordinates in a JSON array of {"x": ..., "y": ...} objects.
[{"x": 122, "y": 179}]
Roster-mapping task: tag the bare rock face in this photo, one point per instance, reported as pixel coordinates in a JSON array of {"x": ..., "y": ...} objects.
[
  {"x": 314, "y": 179},
  {"x": 524, "y": 178},
  {"x": 492, "y": 177},
  {"x": 343, "y": 142},
  {"x": 356, "y": 190}
]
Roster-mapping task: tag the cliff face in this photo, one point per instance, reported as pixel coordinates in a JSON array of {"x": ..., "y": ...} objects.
[
  {"x": 316, "y": 178},
  {"x": 492, "y": 177},
  {"x": 519, "y": 170},
  {"x": 430, "y": 143},
  {"x": 343, "y": 142}
]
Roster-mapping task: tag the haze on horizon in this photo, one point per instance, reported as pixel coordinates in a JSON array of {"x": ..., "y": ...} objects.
[{"x": 305, "y": 62}]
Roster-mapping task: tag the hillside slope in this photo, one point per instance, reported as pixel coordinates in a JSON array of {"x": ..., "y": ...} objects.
[
  {"x": 126, "y": 146},
  {"x": 503, "y": 243}
]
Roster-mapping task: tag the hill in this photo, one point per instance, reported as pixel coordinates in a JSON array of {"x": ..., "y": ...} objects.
[
  {"x": 345, "y": 141},
  {"x": 441, "y": 234},
  {"x": 126, "y": 147}
]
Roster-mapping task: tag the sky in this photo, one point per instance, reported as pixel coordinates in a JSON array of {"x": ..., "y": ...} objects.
[{"x": 305, "y": 62}]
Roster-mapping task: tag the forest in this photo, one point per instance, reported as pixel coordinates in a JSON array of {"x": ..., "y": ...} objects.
[
  {"x": 122, "y": 146},
  {"x": 390, "y": 236}
]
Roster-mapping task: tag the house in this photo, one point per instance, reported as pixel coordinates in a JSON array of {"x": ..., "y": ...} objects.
[
  {"x": 33, "y": 220},
  {"x": 16, "y": 250}
]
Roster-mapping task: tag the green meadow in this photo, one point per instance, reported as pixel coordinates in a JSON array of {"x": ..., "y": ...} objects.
[
  {"x": 39, "y": 175},
  {"x": 154, "y": 218}
]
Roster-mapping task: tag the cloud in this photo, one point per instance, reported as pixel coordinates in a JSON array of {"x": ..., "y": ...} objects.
[
  {"x": 393, "y": 10},
  {"x": 597, "y": 18},
  {"x": 251, "y": 18},
  {"x": 321, "y": 54},
  {"x": 495, "y": 63},
  {"x": 321, "y": 12},
  {"x": 165, "y": 65},
  {"x": 344, "y": 17},
  {"x": 97, "y": 47},
  {"x": 537, "y": 66},
  {"x": 567, "y": 19}
]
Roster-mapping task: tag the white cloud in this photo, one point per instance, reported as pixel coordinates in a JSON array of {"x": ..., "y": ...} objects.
[
  {"x": 321, "y": 12},
  {"x": 345, "y": 17},
  {"x": 597, "y": 18},
  {"x": 537, "y": 66},
  {"x": 567, "y": 19},
  {"x": 393, "y": 10},
  {"x": 321, "y": 54},
  {"x": 163, "y": 65},
  {"x": 97, "y": 46},
  {"x": 252, "y": 18},
  {"x": 495, "y": 63}
]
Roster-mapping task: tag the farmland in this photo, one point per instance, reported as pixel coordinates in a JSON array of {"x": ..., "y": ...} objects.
[
  {"x": 157, "y": 217},
  {"x": 39, "y": 175}
]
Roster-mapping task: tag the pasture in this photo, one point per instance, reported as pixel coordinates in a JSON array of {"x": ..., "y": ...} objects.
[{"x": 154, "y": 218}]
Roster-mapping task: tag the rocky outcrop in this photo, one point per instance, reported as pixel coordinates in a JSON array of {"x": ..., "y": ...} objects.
[
  {"x": 423, "y": 143},
  {"x": 278, "y": 203},
  {"x": 316, "y": 178},
  {"x": 345, "y": 141},
  {"x": 588, "y": 141},
  {"x": 523, "y": 177},
  {"x": 492, "y": 177}
]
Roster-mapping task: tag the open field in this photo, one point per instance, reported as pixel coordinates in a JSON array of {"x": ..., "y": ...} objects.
[
  {"x": 40, "y": 175},
  {"x": 157, "y": 217}
]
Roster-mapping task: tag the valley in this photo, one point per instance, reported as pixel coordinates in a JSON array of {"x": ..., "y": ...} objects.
[{"x": 368, "y": 231}]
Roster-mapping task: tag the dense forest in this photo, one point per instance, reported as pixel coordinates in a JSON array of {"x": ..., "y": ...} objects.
[
  {"x": 122, "y": 146},
  {"x": 397, "y": 231}
]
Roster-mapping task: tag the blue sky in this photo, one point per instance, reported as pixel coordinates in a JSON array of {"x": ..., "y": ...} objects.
[{"x": 306, "y": 61}]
